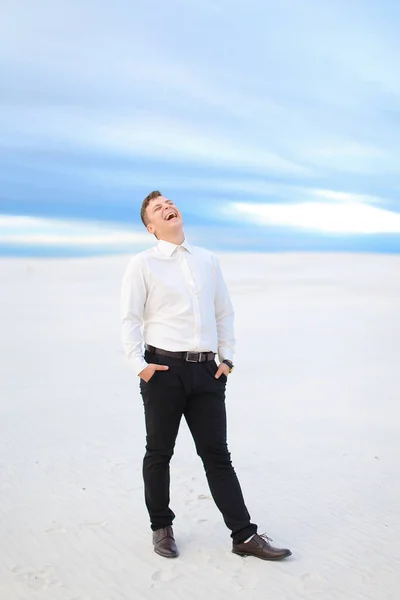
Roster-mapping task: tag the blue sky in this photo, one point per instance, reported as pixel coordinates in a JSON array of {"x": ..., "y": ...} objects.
[{"x": 273, "y": 125}]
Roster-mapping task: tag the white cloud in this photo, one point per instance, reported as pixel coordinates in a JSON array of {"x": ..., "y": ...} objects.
[
  {"x": 31, "y": 231},
  {"x": 141, "y": 134},
  {"x": 345, "y": 196},
  {"x": 350, "y": 218}
]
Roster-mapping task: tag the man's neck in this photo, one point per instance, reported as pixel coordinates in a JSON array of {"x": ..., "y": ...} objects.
[{"x": 176, "y": 239}]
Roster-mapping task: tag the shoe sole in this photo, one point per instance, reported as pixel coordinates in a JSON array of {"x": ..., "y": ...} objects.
[
  {"x": 166, "y": 555},
  {"x": 244, "y": 554}
]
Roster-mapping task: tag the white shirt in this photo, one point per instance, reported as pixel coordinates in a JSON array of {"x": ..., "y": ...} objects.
[{"x": 175, "y": 298}]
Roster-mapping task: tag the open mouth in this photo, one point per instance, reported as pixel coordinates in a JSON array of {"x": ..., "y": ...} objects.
[{"x": 171, "y": 215}]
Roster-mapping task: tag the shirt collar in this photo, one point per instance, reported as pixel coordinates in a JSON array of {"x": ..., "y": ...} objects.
[{"x": 167, "y": 248}]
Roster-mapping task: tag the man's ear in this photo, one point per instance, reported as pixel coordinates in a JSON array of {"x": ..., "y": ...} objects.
[{"x": 150, "y": 228}]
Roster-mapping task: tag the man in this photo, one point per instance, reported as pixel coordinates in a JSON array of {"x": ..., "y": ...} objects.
[{"x": 175, "y": 301}]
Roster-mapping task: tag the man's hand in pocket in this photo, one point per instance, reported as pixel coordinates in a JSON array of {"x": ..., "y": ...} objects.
[
  {"x": 149, "y": 371},
  {"x": 223, "y": 369}
]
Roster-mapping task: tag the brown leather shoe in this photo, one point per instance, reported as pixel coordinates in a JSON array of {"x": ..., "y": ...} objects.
[
  {"x": 260, "y": 546},
  {"x": 164, "y": 543}
]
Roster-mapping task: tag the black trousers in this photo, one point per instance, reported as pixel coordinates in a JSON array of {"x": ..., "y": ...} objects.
[{"x": 190, "y": 390}]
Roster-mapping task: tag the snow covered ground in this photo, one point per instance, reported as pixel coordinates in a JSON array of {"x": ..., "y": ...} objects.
[{"x": 313, "y": 406}]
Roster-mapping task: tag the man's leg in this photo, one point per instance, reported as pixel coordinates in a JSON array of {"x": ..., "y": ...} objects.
[
  {"x": 164, "y": 402},
  {"x": 205, "y": 414}
]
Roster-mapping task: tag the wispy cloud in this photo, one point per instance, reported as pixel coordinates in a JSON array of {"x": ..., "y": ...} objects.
[
  {"x": 344, "y": 196},
  {"x": 30, "y": 231},
  {"x": 142, "y": 135},
  {"x": 349, "y": 217}
]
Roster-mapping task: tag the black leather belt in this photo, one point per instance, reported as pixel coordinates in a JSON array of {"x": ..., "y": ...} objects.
[{"x": 194, "y": 357}]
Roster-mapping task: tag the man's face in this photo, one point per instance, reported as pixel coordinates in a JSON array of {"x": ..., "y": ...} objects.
[{"x": 163, "y": 217}]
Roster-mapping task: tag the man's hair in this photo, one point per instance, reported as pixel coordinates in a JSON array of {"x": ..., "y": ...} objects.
[{"x": 145, "y": 204}]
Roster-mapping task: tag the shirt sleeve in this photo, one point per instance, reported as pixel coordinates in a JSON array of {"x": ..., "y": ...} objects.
[
  {"x": 133, "y": 300},
  {"x": 224, "y": 315}
]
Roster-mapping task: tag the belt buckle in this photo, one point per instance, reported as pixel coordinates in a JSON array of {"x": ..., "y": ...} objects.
[{"x": 192, "y": 354}]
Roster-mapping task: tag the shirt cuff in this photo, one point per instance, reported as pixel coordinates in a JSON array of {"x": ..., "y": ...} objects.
[
  {"x": 225, "y": 353},
  {"x": 138, "y": 363}
]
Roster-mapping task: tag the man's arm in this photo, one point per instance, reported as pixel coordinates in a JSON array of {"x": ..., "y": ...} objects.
[
  {"x": 224, "y": 315},
  {"x": 133, "y": 300}
]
